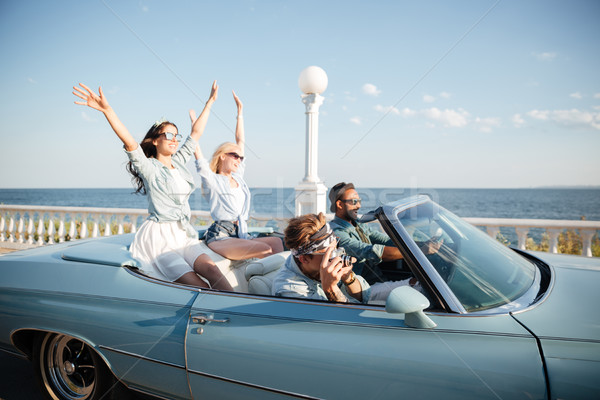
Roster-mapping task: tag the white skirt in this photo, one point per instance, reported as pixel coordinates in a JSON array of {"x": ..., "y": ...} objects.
[{"x": 165, "y": 250}]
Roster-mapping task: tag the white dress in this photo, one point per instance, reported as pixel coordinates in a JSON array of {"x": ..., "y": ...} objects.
[{"x": 164, "y": 248}]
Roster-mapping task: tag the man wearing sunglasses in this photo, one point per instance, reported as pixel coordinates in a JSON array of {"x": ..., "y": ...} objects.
[{"x": 368, "y": 246}]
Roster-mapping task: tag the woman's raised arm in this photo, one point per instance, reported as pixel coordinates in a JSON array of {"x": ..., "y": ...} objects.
[
  {"x": 240, "y": 137},
  {"x": 200, "y": 123},
  {"x": 100, "y": 103}
]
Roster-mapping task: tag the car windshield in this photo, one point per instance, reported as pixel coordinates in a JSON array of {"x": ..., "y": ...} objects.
[{"x": 481, "y": 272}]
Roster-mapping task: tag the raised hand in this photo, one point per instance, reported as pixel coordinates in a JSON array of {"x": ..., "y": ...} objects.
[
  {"x": 198, "y": 124},
  {"x": 214, "y": 91},
  {"x": 91, "y": 99},
  {"x": 100, "y": 103},
  {"x": 193, "y": 117},
  {"x": 238, "y": 103}
]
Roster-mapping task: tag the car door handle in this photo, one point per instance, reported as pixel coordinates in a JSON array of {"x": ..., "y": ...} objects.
[{"x": 203, "y": 319}]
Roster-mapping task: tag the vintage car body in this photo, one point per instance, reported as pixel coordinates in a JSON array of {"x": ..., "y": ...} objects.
[{"x": 86, "y": 318}]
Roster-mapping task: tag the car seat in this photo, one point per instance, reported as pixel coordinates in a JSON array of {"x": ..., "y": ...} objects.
[{"x": 260, "y": 273}]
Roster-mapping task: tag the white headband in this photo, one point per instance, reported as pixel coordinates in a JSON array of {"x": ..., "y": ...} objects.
[{"x": 325, "y": 239}]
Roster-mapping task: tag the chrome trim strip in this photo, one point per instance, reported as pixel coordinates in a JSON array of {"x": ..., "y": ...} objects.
[
  {"x": 562, "y": 339},
  {"x": 14, "y": 353},
  {"x": 252, "y": 385},
  {"x": 88, "y": 296},
  {"x": 545, "y": 296},
  {"x": 140, "y": 357},
  {"x": 370, "y": 325}
]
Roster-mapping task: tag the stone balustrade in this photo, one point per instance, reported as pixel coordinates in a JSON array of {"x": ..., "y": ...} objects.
[
  {"x": 30, "y": 226},
  {"x": 553, "y": 227}
]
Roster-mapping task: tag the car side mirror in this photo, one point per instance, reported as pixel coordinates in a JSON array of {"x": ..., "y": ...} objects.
[{"x": 406, "y": 300}]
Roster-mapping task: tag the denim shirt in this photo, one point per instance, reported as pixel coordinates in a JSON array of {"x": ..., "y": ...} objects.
[
  {"x": 291, "y": 282},
  {"x": 164, "y": 204},
  {"x": 366, "y": 254},
  {"x": 223, "y": 206}
]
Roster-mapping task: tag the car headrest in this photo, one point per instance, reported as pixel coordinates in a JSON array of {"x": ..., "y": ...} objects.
[
  {"x": 260, "y": 273},
  {"x": 266, "y": 265}
]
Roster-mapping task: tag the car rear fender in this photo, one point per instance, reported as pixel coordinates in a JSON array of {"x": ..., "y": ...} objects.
[{"x": 23, "y": 339}]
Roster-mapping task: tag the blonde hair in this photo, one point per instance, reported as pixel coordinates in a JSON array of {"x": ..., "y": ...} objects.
[
  {"x": 300, "y": 229},
  {"x": 227, "y": 147}
]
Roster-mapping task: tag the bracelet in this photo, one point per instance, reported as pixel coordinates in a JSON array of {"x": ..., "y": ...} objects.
[
  {"x": 351, "y": 280},
  {"x": 240, "y": 116}
]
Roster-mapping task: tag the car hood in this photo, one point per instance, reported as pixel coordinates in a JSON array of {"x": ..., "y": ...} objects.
[{"x": 570, "y": 309}]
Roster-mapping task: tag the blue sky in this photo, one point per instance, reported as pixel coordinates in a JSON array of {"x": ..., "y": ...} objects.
[{"x": 421, "y": 93}]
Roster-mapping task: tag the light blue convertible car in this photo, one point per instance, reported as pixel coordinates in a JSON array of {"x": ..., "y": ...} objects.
[{"x": 492, "y": 323}]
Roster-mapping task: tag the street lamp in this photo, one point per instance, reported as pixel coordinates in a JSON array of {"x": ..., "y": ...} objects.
[{"x": 311, "y": 193}]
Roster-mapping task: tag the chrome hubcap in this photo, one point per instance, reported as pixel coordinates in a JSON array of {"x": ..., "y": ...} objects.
[{"x": 68, "y": 367}]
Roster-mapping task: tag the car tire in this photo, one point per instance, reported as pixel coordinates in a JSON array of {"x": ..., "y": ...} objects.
[{"x": 66, "y": 368}]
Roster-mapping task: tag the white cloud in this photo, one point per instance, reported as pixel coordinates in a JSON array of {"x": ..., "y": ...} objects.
[
  {"x": 31, "y": 80},
  {"x": 576, "y": 95},
  {"x": 537, "y": 114},
  {"x": 371, "y": 89},
  {"x": 485, "y": 125},
  {"x": 577, "y": 118},
  {"x": 407, "y": 112},
  {"x": 387, "y": 109},
  {"x": 449, "y": 118},
  {"x": 597, "y": 95},
  {"x": 570, "y": 118},
  {"x": 546, "y": 56},
  {"x": 356, "y": 120},
  {"x": 428, "y": 99},
  {"x": 518, "y": 120}
]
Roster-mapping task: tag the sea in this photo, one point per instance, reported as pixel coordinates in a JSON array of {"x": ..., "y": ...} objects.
[{"x": 542, "y": 203}]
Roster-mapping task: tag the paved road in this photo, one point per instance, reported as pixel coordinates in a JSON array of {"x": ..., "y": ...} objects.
[{"x": 16, "y": 379}]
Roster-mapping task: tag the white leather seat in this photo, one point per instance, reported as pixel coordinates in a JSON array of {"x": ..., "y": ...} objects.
[
  {"x": 260, "y": 273},
  {"x": 232, "y": 270}
]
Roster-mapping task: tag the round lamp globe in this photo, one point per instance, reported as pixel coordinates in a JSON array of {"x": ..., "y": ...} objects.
[{"x": 313, "y": 79}]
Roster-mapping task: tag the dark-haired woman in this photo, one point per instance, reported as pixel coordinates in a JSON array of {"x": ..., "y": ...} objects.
[{"x": 166, "y": 243}]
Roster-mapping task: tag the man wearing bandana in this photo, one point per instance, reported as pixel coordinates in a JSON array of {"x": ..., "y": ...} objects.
[{"x": 310, "y": 272}]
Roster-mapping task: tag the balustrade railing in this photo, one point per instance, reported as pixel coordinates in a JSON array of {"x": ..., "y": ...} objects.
[{"x": 30, "y": 226}]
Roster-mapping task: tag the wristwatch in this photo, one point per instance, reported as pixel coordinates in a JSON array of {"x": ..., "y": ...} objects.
[{"x": 351, "y": 280}]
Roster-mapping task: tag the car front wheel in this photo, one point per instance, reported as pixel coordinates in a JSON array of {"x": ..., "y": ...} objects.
[{"x": 68, "y": 369}]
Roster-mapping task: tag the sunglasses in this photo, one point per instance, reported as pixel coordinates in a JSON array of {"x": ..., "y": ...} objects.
[
  {"x": 352, "y": 201},
  {"x": 170, "y": 136},
  {"x": 236, "y": 156}
]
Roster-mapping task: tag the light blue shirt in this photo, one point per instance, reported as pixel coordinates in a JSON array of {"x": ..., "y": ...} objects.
[
  {"x": 367, "y": 255},
  {"x": 223, "y": 206},
  {"x": 164, "y": 203},
  {"x": 291, "y": 282}
]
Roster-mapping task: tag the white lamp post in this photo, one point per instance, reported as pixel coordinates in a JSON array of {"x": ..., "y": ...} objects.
[{"x": 311, "y": 193}]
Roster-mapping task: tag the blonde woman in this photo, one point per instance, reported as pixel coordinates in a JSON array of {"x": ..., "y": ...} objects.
[{"x": 230, "y": 199}]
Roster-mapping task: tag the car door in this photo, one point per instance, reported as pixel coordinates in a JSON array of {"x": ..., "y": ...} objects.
[{"x": 244, "y": 346}]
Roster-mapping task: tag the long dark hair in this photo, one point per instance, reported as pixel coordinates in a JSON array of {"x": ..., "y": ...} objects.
[{"x": 149, "y": 150}]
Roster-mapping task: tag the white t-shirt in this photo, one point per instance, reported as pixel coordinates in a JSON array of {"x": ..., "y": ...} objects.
[{"x": 181, "y": 186}]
